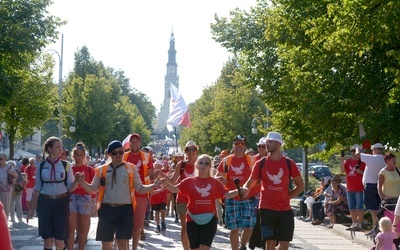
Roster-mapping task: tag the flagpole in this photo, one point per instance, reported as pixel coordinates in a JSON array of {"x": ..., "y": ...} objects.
[{"x": 176, "y": 140}]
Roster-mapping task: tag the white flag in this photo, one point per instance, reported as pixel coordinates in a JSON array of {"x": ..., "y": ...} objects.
[{"x": 178, "y": 110}]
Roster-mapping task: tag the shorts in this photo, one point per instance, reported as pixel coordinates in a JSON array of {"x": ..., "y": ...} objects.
[
  {"x": 114, "y": 220},
  {"x": 201, "y": 234},
  {"x": 159, "y": 207},
  {"x": 277, "y": 225},
  {"x": 372, "y": 200},
  {"x": 53, "y": 217},
  {"x": 239, "y": 214},
  {"x": 140, "y": 212},
  {"x": 29, "y": 192},
  {"x": 355, "y": 200},
  {"x": 80, "y": 204},
  {"x": 181, "y": 208}
]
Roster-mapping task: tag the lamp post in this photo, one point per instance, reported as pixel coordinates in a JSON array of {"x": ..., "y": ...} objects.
[
  {"x": 72, "y": 127},
  {"x": 254, "y": 129},
  {"x": 60, "y": 59}
]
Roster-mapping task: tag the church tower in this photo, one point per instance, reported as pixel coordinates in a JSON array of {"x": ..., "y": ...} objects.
[{"x": 170, "y": 77}]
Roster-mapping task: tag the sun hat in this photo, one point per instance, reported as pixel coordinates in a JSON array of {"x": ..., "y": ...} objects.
[
  {"x": 355, "y": 146},
  {"x": 377, "y": 145},
  {"x": 190, "y": 144},
  {"x": 262, "y": 141},
  {"x": 114, "y": 145},
  {"x": 275, "y": 136}
]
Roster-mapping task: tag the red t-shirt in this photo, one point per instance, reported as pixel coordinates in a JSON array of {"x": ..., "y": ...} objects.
[
  {"x": 275, "y": 183},
  {"x": 22, "y": 168},
  {"x": 31, "y": 176},
  {"x": 239, "y": 168},
  {"x": 89, "y": 175},
  {"x": 136, "y": 160},
  {"x": 5, "y": 242},
  {"x": 353, "y": 179},
  {"x": 202, "y": 193},
  {"x": 188, "y": 171},
  {"x": 159, "y": 198}
]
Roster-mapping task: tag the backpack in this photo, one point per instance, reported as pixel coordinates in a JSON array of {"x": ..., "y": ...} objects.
[{"x": 66, "y": 166}]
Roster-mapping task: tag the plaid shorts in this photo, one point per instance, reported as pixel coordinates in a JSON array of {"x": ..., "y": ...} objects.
[{"x": 239, "y": 214}]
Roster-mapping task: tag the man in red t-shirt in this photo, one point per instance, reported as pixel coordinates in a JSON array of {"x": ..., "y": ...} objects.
[
  {"x": 354, "y": 169},
  {"x": 277, "y": 218},
  {"x": 239, "y": 213},
  {"x": 144, "y": 164}
]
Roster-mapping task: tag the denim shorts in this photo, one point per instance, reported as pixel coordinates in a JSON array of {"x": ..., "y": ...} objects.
[
  {"x": 355, "y": 200},
  {"x": 80, "y": 204},
  {"x": 239, "y": 214}
]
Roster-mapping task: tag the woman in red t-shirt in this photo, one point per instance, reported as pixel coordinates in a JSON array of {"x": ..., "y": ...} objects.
[
  {"x": 201, "y": 191},
  {"x": 30, "y": 172},
  {"x": 80, "y": 205}
]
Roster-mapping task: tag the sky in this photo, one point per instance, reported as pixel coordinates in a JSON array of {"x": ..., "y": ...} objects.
[{"x": 133, "y": 36}]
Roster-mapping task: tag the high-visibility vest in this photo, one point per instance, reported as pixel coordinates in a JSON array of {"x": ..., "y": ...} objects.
[
  {"x": 130, "y": 169},
  {"x": 145, "y": 161},
  {"x": 227, "y": 163}
]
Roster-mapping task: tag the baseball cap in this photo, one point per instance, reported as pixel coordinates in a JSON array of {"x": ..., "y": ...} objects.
[
  {"x": 355, "y": 146},
  {"x": 136, "y": 135},
  {"x": 275, "y": 136},
  {"x": 240, "y": 138}
]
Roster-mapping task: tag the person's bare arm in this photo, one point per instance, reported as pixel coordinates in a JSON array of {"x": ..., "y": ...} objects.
[{"x": 298, "y": 181}]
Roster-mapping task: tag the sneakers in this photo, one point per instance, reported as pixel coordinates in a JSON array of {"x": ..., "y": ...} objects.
[
  {"x": 354, "y": 227},
  {"x": 163, "y": 227},
  {"x": 176, "y": 219},
  {"x": 307, "y": 220},
  {"x": 158, "y": 230}
]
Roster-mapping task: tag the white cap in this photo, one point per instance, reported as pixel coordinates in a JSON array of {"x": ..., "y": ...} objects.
[
  {"x": 377, "y": 145},
  {"x": 275, "y": 136},
  {"x": 262, "y": 141},
  {"x": 190, "y": 144},
  {"x": 355, "y": 146}
]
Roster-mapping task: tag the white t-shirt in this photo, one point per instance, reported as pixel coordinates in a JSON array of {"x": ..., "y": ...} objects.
[{"x": 374, "y": 164}]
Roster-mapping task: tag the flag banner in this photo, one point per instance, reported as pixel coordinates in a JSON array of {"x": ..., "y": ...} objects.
[
  {"x": 125, "y": 143},
  {"x": 178, "y": 110}
]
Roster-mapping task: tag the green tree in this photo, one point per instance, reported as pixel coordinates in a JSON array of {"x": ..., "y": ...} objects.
[{"x": 224, "y": 110}]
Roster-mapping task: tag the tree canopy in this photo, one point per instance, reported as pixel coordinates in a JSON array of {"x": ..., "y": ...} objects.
[{"x": 323, "y": 67}]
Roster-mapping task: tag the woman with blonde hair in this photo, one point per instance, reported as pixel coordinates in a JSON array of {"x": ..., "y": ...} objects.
[{"x": 201, "y": 191}]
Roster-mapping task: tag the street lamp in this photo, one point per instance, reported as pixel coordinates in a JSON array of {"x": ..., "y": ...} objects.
[
  {"x": 60, "y": 59},
  {"x": 254, "y": 129},
  {"x": 72, "y": 127}
]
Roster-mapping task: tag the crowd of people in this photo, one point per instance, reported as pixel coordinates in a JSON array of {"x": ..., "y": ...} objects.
[{"x": 235, "y": 190}]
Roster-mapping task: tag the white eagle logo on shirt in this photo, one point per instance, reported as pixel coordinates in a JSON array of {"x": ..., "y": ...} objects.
[
  {"x": 204, "y": 191},
  {"x": 187, "y": 174},
  {"x": 138, "y": 164},
  {"x": 352, "y": 170},
  {"x": 276, "y": 178},
  {"x": 238, "y": 170}
]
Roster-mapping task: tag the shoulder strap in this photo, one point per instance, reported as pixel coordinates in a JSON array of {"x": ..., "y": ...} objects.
[
  {"x": 65, "y": 164},
  {"x": 183, "y": 164},
  {"x": 40, "y": 171},
  {"x": 262, "y": 162},
  {"x": 397, "y": 170}
]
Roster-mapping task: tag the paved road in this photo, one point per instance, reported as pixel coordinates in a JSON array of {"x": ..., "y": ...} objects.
[{"x": 307, "y": 237}]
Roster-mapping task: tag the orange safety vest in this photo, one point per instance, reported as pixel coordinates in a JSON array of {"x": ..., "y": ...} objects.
[
  {"x": 130, "y": 169},
  {"x": 227, "y": 163},
  {"x": 145, "y": 160}
]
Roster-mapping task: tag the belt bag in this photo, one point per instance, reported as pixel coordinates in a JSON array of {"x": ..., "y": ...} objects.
[{"x": 201, "y": 219}]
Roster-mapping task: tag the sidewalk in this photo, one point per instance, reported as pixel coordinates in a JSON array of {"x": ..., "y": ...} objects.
[{"x": 25, "y": 237}]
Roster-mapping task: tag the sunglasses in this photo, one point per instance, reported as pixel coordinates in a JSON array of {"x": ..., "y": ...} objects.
[
  {"x": 205, "y": 163},
  {"x": 114, "y": 153},
  {"x": 352, "y": 150},
  {"x": 1, "y": 159},
  {"x": 240, "y": 143},
  {"x": 261, "y": 146},
  {"x": 190, "y": 149}
]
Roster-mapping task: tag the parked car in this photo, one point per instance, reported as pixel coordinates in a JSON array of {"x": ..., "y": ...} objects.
[{"x": 319, "y": 171}]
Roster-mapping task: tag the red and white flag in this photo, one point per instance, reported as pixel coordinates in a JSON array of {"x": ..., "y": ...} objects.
[{"x": 178, "y": 110}]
